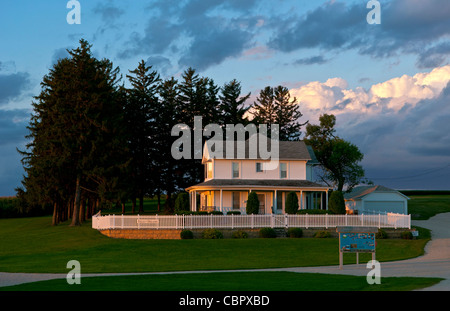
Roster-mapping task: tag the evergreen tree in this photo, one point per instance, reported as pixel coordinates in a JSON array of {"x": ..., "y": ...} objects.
[
  {"x": 274, "y": 106},
  {"x": 75, "y": 124},
  {"x": 142, "y": 128},
  {"x": 232, "y": 104}
]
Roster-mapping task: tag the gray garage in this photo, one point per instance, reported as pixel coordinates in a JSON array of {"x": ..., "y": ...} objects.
[{"x": 375, "y": 199}]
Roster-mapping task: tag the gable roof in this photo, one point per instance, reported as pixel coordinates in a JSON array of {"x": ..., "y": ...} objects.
[
  {"x": 359, "y": 192},
  {"x": 288, "y": 150}
]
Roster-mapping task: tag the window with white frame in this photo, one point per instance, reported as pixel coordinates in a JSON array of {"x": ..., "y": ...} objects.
[
  {"x": 259, "y": 167},
  {"x": 283, "y": 170},
  {"x": 235, "y": 168}
]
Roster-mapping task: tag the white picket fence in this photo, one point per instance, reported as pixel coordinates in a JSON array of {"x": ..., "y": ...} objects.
[{"x": 389, "y": 220}]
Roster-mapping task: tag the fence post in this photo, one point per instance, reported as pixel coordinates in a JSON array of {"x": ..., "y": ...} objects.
[
  {"x": 114, "y": 221},
  {"x": 138, "y": 222},
  {"x": 122, "y": 221},
  {"x": 306, "y": 220},
  {"x": 326, "y": 221},
  {"x": 232, "y": 221},
  {"x": 379, "y": 221},
  {"x": 251, "y": 221}
]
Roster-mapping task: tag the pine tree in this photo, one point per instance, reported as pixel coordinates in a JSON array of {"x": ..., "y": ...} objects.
[
  {"x": 274, "y": 106},
  {"x": 140, "y": 119},
  {"x": 232, "y": 106},
  {"x": 75, "y": 125}
]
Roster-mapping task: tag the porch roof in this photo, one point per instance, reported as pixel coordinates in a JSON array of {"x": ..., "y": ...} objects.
[{"x": 258, "y": 183}]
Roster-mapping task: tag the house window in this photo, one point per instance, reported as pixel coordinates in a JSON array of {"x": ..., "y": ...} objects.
[
  {"x": 236, "y": 199},
  {"x": 259, "y": 167},
  {"x": 235, "y": 166},
  {"x": 283, "y": 170},
  {"x": 209, "y": 172}
]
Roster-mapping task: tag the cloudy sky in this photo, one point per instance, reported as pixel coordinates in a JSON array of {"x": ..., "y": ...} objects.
[{"x": 386, "y": 83}]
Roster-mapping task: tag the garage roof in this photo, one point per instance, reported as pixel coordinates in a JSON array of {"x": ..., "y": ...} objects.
[{"x": 361, "y": 191}]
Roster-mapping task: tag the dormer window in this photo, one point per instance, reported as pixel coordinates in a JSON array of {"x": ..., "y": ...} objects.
[{"x": 259, "y": 167}]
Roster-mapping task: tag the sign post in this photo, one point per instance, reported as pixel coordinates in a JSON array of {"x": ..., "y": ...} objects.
[{"x": 355, "y": 240}]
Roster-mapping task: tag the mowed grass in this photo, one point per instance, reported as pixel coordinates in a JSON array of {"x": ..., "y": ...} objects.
[
  {"x": 422, "y": 207},
  {"x": 34, "y": 245},
  {"x": 230, "y": 281}
]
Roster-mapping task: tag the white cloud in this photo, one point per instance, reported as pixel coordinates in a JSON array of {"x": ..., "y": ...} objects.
[
  {"x": 334, "y": 96},
  {"x": 399, "y": 124}
]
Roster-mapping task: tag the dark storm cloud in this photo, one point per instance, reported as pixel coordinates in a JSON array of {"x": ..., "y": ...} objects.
[
  {"x": 413, "y": 27},
  {"x": 195, "y": 31},
  {"x": 12, "y": 85},
  {"x": 13, "y": 125},
  {"x": 319, "y": 60}
]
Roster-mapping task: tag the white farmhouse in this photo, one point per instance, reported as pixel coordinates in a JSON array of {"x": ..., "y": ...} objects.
[
  {"x": 229, "y": 181},
  {"x": 375, "y": 199}
]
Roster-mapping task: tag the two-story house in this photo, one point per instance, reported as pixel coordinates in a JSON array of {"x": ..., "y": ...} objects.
[{"x": 229, "y": 181}]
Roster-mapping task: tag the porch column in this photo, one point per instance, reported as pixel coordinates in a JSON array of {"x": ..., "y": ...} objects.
[
  {"x": 275, "y": 207},
  {"x": 221, "y": 201},
  {"x": 195, "y": 200},
  {"x": 326, "y": 206},
  {"x": 301, "y": 199}
]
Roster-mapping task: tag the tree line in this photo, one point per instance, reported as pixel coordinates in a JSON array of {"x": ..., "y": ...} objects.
[{"x": 93, "y": 141}]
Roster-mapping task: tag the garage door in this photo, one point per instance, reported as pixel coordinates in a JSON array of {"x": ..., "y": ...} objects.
[{"x": 385, "y": 206}]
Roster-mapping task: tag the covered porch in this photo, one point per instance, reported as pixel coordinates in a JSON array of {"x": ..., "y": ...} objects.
[{"x": 231, "y": 195}]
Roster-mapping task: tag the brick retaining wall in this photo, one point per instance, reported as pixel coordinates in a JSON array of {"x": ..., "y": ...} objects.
[{"x": 174, "y": 234}]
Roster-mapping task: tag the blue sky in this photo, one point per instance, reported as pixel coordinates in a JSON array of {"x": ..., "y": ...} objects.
[{"x": 386, "y": 83}]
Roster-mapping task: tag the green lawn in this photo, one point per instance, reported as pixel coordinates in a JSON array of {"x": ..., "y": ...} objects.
[
  {"x": 33, "y": 245},
  {"x": 230, "y": 281},
  {"x": 422, "y": 207}
]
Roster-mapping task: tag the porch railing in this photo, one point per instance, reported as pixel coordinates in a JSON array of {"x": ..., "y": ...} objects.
[{"x": 389, "y": 220}]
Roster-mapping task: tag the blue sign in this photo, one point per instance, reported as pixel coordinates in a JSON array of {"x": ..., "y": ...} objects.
[{"x": 357, "y": 242}]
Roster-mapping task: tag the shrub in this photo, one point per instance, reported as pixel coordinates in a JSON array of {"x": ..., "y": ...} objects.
[
  {"x": 186, "y": 235},
  {"x": 240, "y": 234},
  {"x": 182, "y": 202},
  {"x": 312, "y": 211},
  {"x": 322, "y": 234},
  {"x": 252, "y": 203},
  {"x": 233, "y": 213},
  {"x": 212, "y": 234},
  {"x": 200, "y": 213},
  {"x": 381, "y": 234},
  {"x": 406, "y": 235},
  {"x": 267, "y": 233},
  {"x": 295, "y": 232},
  {"x": 336, "y": 204},
  {"x": 291, "y": 203},
  {"x": 184, "y": 213},
  {"x": 216, "y": 213}
]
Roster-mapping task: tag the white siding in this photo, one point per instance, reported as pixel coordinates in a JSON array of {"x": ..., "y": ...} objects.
[{"x": 247, "y": 169}]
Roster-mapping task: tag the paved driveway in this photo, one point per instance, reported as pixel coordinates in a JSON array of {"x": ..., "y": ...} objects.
[{"x": 435, "y": 262}]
